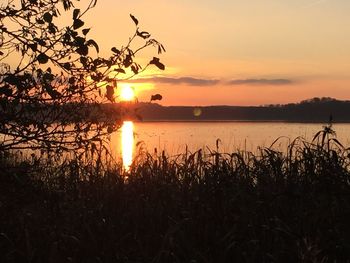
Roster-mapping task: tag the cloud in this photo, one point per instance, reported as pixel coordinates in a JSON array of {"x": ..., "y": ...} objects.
[
  {"x": 314, "y": 3},
  {"x": 211, "y": 82},
  {"x": 182, "y": 80},
  {"x": 260, "y": 82}
]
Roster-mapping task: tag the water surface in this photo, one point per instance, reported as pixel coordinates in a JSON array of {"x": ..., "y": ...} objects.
[{"x": 175, "y": 137}]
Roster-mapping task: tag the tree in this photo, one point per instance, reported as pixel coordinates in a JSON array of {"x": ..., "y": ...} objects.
[{"x": 53, "y": 82}]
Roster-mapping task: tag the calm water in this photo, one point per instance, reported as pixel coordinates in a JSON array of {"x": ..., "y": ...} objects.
[{"x": 174, "y": 137}]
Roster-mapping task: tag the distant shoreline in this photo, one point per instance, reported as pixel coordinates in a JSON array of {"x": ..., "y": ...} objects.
[
  {"x": 237, "y": 121},
  {"x": 316, "y": 110}
]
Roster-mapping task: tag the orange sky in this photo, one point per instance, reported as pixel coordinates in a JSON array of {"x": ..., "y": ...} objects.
[
  {"x": 235, "y": 52},
  {"x": 238, "y": 52}
]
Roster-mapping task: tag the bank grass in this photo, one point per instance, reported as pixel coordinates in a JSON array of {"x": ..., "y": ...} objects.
[{"x": 203, "y": 206}]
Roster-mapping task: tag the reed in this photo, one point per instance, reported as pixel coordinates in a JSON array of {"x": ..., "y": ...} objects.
[{"x": 195, "y": 207}]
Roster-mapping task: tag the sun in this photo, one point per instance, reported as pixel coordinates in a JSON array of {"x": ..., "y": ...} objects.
[{"x": 127, "y": 93}]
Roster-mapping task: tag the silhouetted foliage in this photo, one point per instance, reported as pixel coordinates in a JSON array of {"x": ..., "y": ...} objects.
[
  {"x": 45, "y": 65},
  {"x": 272, "y": 206}
]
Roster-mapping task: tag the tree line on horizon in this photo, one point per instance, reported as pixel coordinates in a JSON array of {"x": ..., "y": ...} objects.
[{"x": 311, "y": 110}]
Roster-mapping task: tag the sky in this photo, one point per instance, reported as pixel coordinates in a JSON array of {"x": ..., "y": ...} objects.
[{"x": 237, "y": 52}]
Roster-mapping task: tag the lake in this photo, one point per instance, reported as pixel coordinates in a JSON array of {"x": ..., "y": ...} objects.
[{"x": 174, "y": 137}]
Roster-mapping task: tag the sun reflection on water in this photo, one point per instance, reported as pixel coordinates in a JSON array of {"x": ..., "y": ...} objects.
[{"x": 127, "y": 143}]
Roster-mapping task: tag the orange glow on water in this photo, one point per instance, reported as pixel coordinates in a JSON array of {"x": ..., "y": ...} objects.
[{"x": 127, "y": 143}]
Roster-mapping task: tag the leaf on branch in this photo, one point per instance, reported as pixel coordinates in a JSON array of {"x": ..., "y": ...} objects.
[
  {"x": 77, "y": 23},
  {"x": 156, "y": 97},
  {"x": 127, "y": 61},
  {"x": 79, "y": 40},
  {"x": 84, "y": 61},
  {"x": 134, "y": 69},
  {"x": 54, "y": 94},
  {"x": 92, "y": 42},
  {"x": 161, "y": 49},
  {"x": 42, "y": 58},
  {"x": 134, "y": 19},
  {"x": 47, "y": 17},
  {"x": 40, "y": 41},
  {"x": 67, "y": 66},
  {"x": 66, "y": 4},
  {"x": 155, "y": 61},
  {"x": 76, "y": 12},
  {"x": 110, "y": 129},
  {"x": 97, "y": 77},
  {"x": 83, "y": 50},
  {"x": 48, "y": 77},
  {"x": 86, "y": 31},
  {"x": 120, "y": 70},
  {"x": 52, "y": 28},
  {"x": 115, "y": 50},
  {"x": 110, "y": 93},
  {"x": 143, "y": 34},
  {"x": 40, "y": 21}
]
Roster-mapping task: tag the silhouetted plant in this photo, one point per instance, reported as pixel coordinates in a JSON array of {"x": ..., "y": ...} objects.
[
  {"x": 195, "y": 207},
  {"x": 53, "y": 76}
]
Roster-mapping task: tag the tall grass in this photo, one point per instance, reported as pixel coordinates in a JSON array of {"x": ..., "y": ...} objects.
[{"x": 197, "y": 207}]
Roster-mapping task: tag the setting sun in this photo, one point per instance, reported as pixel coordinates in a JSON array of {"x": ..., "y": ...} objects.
[{"x": 127, "y": 93}]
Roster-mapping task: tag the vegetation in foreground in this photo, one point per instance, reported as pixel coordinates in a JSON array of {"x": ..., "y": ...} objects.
[{"x": 239, "y": 207}]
